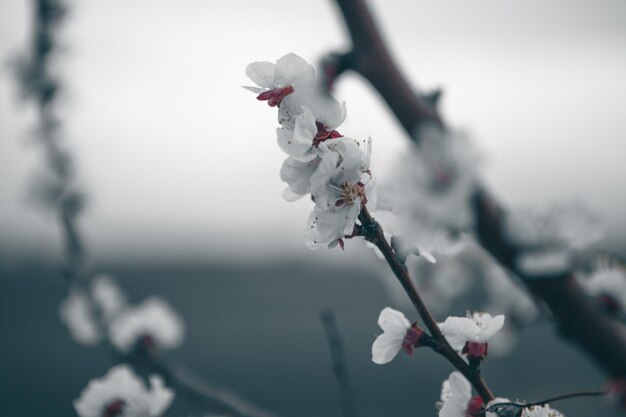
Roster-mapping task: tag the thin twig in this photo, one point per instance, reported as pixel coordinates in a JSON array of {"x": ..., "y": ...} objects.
[
  {"x": 579, "y": 321},
  {"x": 374, "y": 233},
  {"x": 544, "y": 402},
  {"x": 340, "y": 368}
]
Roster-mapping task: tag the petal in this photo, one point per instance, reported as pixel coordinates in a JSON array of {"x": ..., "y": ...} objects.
[
  {"x": 293, "y": 70},
  {"x": 458, "y": 330},
  {"x": 261, "y": 73},
  {"x": 298, "y": 174},
  {"x": 494, "y": 325},
  {"x": 255, "y": 90},
  {"x": 290, "y": 196},
  {"x": 298, "y": 143},
  {"x": 428, "y": 256},
  {"x": 393, "y": 321},
  {"x": 385, "y": 348}
]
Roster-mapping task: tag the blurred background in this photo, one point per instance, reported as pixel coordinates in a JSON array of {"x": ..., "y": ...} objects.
[{"x": 181, "y": 170}]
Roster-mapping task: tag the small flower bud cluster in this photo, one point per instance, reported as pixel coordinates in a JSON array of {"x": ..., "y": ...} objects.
[
  {"x": 103, "y": 311},
  {"x": 121, "y": 393},
  {"x": 321, "y": 162},
  {"x": 607, "y": 285}
]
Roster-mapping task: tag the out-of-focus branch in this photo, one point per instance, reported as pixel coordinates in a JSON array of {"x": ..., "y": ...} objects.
[
  {"x": 603, "y": 340},
  {"x": 217, "y": 398},
  {"x": 41, "y": 87},
  {"x": 340, "y": 367},
  {"x": 373, "y": 233},
  {"x": 371, "y": 58}
]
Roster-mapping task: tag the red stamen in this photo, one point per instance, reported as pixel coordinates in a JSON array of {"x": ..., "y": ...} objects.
[
  {"x": 475, "y": 350},
  {"x": 275, "y": 96},
  {"x": 114, "y": 409},
  {"x": 474, "y": 406},
  {"x": 412, "y": 338}
]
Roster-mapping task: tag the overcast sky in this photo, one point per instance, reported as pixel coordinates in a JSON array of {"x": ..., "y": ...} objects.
[{"x": 178, "y": 160}]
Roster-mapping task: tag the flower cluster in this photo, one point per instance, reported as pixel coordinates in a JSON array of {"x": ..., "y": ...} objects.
[
  {"x": 607, "y": 285},
  {"x": 120, "y": 393},
  {"x": 154, "y": 324},
  {"x": 332, "y": 168},
  {"x": 103, "y": 310}
]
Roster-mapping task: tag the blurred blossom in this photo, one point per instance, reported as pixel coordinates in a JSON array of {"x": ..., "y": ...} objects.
[
  {"x": 77, "y": 314},
  {"x": 121, "y": 393},
  {"x": 550, "y": 240},
  {"x": 432, "y": 190},
  {"x": 607, "y": 284},
  {"x": 108, "y": 296},
  {"x": 538, "y": 263},
  {"x": 154, "y": 322},
  {"x": 441, "y": 283},
  {"x": 505, "y": 296},
  {"x": 540, "y": 411}
]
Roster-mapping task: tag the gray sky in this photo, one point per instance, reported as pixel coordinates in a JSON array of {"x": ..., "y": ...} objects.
[{"x": 178, "y": 160}]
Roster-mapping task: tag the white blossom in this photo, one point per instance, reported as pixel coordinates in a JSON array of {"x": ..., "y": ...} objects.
[
  {"x": 540, "y": 411},
  {"x": 121, "y": 393},
  {"x": 477, "y": 328},
  {"x": 456, "y": 394},
  {"x": 77, "y": 314},
  {"x": 289, "y": 71},
  {"x": 297, "y": 175},
  {"x": 108, "y": 296},
  {"x": 154, "y": 319},
  {"x": 298, "y": 142},
  {"x": 607, "y": 283},
  {"x": 440, "y": 283},
  {"x": 291, "y": 85},
  {"x": 387, "y": 345},
  {"x": 431, "y": 192},
  {"x": 338, "y": 187},
  {"x": 332, "y": 168}
]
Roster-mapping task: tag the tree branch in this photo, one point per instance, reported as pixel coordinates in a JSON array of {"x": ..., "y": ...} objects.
[
  {"x": 595, "y": 334},
  {"x": 42, "y": 88}
]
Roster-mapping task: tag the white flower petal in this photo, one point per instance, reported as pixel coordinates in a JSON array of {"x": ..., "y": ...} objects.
[
  {"x": 385, "y": 348},
  {"x": 456, "y": 393},
  {"x": 293, "y": 70},
  {"x": 393, "y": 321},
  {"x": 262, "y": 73}
]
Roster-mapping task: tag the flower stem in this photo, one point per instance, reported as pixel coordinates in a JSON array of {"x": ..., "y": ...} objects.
[{"x": 373, "y": 232}]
